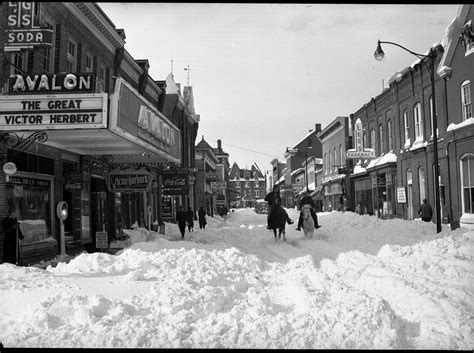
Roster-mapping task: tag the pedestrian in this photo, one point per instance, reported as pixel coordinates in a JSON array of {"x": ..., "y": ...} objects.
[
  {"x": 308, "y": 200},
  {"x": 181, "y": 220},
  {"x": 360, "y": 209},
  {"x": 12, "y": 232},
  {"x": 425, "y": 212},
  {"x": 190, "y": 219},
  {"x": 202, "y": 218}
]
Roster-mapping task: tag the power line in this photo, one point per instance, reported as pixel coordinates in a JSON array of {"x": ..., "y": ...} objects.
[{"x": 246, "y": 149}]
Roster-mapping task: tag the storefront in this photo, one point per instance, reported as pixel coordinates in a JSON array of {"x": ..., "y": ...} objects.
[
  {"x": 79, "y": 147},
  {"x": 333, "y": 190}
]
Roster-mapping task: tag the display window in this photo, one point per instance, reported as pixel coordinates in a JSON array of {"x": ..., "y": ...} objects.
[{"x": 30, "y": 198}]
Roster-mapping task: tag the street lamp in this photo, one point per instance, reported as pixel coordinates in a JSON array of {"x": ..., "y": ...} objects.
[{"x": 379, "y": 55}]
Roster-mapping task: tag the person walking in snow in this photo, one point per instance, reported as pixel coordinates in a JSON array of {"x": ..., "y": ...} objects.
[
  {"x": 202, "y": 218},
  {"x": 425, "y": 212},
  {"x": 181, "y": 220},
  {"x": 190, "y": 219}
]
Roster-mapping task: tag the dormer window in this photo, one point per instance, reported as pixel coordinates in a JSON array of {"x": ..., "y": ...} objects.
[{"x": 467, "y": 37}]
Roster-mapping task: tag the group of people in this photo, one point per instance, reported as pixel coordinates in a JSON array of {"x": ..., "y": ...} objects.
[
  {"x": 274, "y": 200},
  {"x": 186, "y": 218}
]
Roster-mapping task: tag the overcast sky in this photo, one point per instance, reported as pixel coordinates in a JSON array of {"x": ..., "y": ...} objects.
[{"x": 264, "y": 74}]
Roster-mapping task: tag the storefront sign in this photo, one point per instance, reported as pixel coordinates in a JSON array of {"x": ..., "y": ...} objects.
[
  {"x": 17, "y": 180},
  {"x": 216, "y": 185},
  {"x": 360, "y": 154},
  {"x": 175, "y": 184},
  {"x": 129, "y": 181},
  {"x": 9, "y": 168},
  {"x": 134, "y": 118},
  {"x": 23, "y": 30},
  {"x": 210, "y": 175},
  {"x": 401, "y": 195},
  {"x": 166, "y": 207},
  {"x": 68, "y": 111},
  {"x": 359, "y": 151},
  {"x": 101, "y": 240},
  {"x": 53, "y": 83}
]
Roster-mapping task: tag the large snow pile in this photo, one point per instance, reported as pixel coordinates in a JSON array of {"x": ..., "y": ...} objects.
[{"x": 359, "y": 283}]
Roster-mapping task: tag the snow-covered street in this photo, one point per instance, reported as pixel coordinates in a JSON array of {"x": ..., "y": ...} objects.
[{"x": 359, "y": 283}]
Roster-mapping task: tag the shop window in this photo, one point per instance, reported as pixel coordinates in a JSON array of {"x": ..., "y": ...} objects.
[
  {"x": 31, "y": 163},
  {"x": 466, "y": 100},
  {"x": 467, "y": 182}
]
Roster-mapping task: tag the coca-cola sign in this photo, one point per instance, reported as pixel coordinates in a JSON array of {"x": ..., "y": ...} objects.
[{"x": 175, "y": 184}]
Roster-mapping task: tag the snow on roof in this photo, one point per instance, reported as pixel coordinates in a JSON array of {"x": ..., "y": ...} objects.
[
  {"x": 297, "y": 171},
  {"x": 390, "y": 157}
]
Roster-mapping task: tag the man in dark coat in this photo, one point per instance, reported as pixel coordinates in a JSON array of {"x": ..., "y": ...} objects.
[
  {"x": 10, "y": 226},
  {"x": 190, "y": 219},
  {"x": 202, "y": 218},
  {"x": 308, "y": 200},
  {"x": 181, "y": 220},
  {"x": 426, "y": 212},
  {"x": 274, "y": 200}
]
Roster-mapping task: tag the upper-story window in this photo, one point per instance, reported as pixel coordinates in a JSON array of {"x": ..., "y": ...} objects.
[
  {"x": 247, "y": 184},
  {"x": 466, "y": 100},
  {"x": 71, "y": 57},
  {"x": 364, "y": 140},
  {"x": 19, "y": 63},
  {"x": 325, "y": 163},
  {"x": 381, "y": 149},
  {"x": 256, "y": 184},
  {"x": 46, "y": 52},
  {"x": 335, "y": 160},
  {"x": 341, "y": 154},
  {"x": 372, "y": 138},
  {"x": 329, "y": 162},
  {"x": 389, "y": 135},
  {"x": 237, "y": 184},
  {"x": 417, "y": 120},
  {"x": 257, "y": 193},
  {"x": 101, "y": 78},
  {"x": 88, "y": 63},
  {"x": 406, "y": 125}
]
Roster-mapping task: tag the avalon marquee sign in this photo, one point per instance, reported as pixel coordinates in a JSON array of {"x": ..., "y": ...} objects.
[{"x": 62, "y": 111}]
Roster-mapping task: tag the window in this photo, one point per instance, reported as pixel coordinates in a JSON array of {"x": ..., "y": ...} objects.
[
  {"x": 389, "y": 135},
  {"x": 71, "y": 57},
  {"x": 247, "y": 184},
  {"x": 257, "y": 193},
  {"x": 421, "y": 183},
  {"x": 237, "y": 184},
  {"x": 256, "y": 184},
  {"x": 381, "y": 149},
  {"x": 406, "y": 124},
  {"x": 47, "y": 53},
  {"x": 335, "y": 160},
  {"x": 326, "y": 162},
  {"x": 467, "y": 180},
  {"x": 19, "y": 62},
  {"x": 372, "y": 139},
  {"x": 88, "y": 63},
  {"x": 341, "y": 155},
  {"x": 418, "y": 121},
  {"x": 364, "y": 140},
  {"x": 101, "y": 82},
  {"x": 329, "y": 162},
  {"x": 466, "y": 100}
]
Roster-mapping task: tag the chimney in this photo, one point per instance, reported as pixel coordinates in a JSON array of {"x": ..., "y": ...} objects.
[
  {"x": 317, "y": 128},
  {"x": 219, "y": 145}
]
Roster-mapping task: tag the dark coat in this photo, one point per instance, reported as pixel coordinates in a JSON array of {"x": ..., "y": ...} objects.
[
  {"x": 273, "y": 198},
  {"x": 181, "y": 218},
  {"x": 190, "y": 217},
  {"x": 307, "y": 200},
  {"x": 426, "y": 212},
  {"x": 202, "y": 216},
  {"x": 9, "y": 227}
]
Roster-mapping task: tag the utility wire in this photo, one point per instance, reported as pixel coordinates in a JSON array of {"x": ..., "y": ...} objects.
[{"x": 246, "y": 149}]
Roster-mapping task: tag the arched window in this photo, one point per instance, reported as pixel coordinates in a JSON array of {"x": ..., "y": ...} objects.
[
  {"x": 421, "y": 184},
  {"x": 418, "y": 121},
  {"x": 381, "y": 144},
  {"x": 389, "y": 135},
  {"x": 466, "y": 100},
  {"x": 406, "y": 124},
  {"x": 372, "y": 138}
]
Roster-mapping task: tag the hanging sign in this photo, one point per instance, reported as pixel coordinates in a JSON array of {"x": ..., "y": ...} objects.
[
  {"x": 359, "y": 151},
  {"x": 9, "y": 168},
  {"x": 129, "y": 181}
]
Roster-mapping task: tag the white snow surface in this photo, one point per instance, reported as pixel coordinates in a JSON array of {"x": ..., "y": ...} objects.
[{"x": 360, "y": 282}]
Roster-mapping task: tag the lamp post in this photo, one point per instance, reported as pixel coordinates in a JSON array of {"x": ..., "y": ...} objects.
[{"x": 379, "y": 55}]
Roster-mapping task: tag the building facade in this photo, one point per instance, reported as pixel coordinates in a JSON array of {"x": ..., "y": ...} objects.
[
  {"x": 81, "y": 122},
  {"x": 250, "y": 185}
]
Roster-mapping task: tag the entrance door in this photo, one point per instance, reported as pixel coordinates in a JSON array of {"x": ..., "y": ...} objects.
[
  {"x": 98, "y": 212},
  {"x": 410, "y": 194}
]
